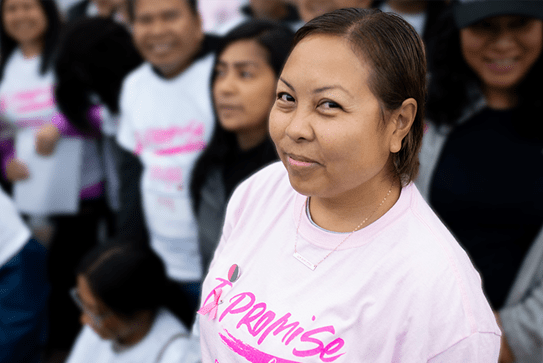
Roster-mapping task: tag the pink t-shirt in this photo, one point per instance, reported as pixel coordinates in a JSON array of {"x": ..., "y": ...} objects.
[{"x": 399, "y": 290}]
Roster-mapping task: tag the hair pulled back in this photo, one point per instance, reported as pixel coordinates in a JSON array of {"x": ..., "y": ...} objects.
[
  {"x": 397, "y": 60},
  {"x": 129, "y": 279}
]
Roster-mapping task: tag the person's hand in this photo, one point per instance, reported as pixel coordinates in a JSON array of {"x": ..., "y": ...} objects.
[
  {"x": 506, "y": 355},
  {"x": 46, "y": 139},
  {"x": 16, "y": 170}
]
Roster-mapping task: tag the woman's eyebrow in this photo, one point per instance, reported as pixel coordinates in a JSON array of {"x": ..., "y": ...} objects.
[
  {"x": 245, "y": 64},
  {"x": 327, "y": 88},
  {"x": 288, "y": 84},
  {"x": 319, "y": 90}
]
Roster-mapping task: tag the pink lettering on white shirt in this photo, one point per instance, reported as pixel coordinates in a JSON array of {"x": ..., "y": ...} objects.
[
  {"x": 173, "y": 140},
  {"x": 169, "y": 175},
  {"x": 32, "y": 100}
]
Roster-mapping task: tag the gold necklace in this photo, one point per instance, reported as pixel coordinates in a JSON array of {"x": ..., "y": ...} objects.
[{"x": 313, "y": 266}]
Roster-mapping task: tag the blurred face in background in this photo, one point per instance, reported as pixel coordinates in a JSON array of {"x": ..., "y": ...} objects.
[
  {"x": 309, "y": 9},
  {"x": 104, "y": 322},
  {"x": 244, "y": 91},
  {"x": 95, "y": 313},
  {"x": 501, "y": 50},
  {"x": 269, "y": 9},
  {"x": 24, "y": 21},
  {"x": 105, "y": 7},
  {"x": 167, "y": 33}
]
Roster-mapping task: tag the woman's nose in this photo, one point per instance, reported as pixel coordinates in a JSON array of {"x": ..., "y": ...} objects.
[
  {"x": 300, "y": 126},
  {"x": 225, "y": 84}
]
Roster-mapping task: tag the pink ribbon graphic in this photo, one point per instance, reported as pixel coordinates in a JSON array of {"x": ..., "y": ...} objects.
[{"x": 213, "y": 306}]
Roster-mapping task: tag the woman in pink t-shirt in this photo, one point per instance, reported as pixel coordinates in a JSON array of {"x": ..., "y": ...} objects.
[{"x": 333, "y": 255}]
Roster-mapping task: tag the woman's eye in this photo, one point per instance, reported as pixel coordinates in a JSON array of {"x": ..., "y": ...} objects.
[
  {"x": 246, "y": 75},
  {"x": 285, "y": 97},
  {"x": 519, "y": 23},
  {"x": 330, "y": 104}
]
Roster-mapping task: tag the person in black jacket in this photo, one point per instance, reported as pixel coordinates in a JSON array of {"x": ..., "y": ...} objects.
[{"x": 247, "y": 66}]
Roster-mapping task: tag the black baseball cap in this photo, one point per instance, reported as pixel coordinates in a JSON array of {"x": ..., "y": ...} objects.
[{"x": 468, "y": 12}]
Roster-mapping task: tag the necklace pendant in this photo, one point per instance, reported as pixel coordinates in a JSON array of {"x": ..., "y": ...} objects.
[{"x": 306, "y": 262}]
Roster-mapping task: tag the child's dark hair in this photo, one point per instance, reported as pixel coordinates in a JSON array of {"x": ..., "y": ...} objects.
[
  {"x": 51, "y": 36},
  {"x": 193, "y": 4},
  {"x": 95, "y": 55},
  {"x": 130, "y": 278},
  {"x": 276, "y": 39}
]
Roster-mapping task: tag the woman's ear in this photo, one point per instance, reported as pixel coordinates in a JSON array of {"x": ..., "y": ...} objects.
[{"x": 401, "y": 122}]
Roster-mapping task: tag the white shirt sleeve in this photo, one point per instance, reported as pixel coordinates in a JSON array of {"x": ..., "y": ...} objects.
[
  {"x": 14, "y": 233},
  {"x": 126, "y": 133},
  {"x": 477, "y": 348},
  {"x": 175, "y": 352}
]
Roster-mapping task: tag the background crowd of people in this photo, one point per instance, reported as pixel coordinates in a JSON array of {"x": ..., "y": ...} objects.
[{"x": 127, "y": 125}]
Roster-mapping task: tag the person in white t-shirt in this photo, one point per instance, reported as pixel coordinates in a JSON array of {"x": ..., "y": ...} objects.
[
  {"x": 166, "y": 119},
  {"x": 128, "y": 308},
  {"x": 29, "y": 30},
  {"x": 24, "y": 288},
  {"x": 333, "y": 255}
]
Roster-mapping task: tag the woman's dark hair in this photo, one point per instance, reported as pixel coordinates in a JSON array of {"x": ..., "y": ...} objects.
[
  {"x": 276, "y": 39},
  {"x": 397, "y": 60},
  {"x": 94, "y": 56},
  {"x": 130, "y": 279},
  {"x": 452, "y": 81},
  {"x": 131, "y": 4},
  {"x": 54, "y": 24}
]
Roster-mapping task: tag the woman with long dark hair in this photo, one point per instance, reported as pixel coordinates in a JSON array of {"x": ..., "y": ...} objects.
[
  {"x": 481, "y": 162},
  {"x": 94, "y": 57},
  {"x": 247, "y": 66},
  {"x": 26, "y": 61}
]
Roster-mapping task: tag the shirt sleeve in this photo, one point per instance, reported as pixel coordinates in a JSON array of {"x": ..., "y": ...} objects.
[
  {"x": 479, "y": 347},
  {"x": 126, "y": 133},
  {"x": 175, "y": 352},
  {"x": 66, "y": 128}
]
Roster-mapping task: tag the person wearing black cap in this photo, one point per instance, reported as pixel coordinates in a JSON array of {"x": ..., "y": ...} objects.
[{"x": 481, "y": 158}]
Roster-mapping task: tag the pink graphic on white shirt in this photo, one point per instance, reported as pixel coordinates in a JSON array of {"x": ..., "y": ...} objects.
[
  {"x": 27, "y": 102},
  {"x": 171, "y": 176},
  {"x": 172, "y": 140},
  {"x": 32, "y": 100},
  {"x": 251, "y": 354},
  {"x": 260, "y": 321}
]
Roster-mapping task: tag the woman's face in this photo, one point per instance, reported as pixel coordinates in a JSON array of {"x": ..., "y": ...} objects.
[
  {"x": 501, "y": 50},
  {"x": 24, "y": 20},
  {"x": 244, "y": 88},
  {"x": 97, "y": 315},
  {"x": 326, "y": 123}
]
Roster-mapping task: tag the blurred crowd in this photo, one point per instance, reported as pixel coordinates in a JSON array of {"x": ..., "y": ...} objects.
[{"x": 126, "y": 125}]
